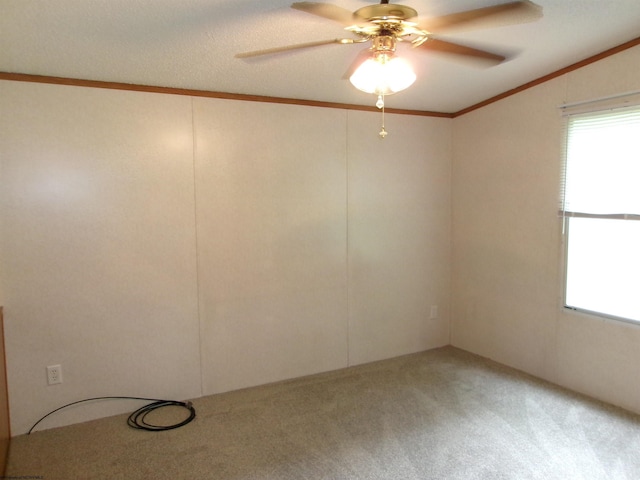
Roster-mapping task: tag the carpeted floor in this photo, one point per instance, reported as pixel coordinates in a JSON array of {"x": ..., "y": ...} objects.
[{"x": 441, "y": 414}]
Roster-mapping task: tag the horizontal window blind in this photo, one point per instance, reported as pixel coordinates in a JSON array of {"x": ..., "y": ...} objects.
[{"x": 602, "y": 169}]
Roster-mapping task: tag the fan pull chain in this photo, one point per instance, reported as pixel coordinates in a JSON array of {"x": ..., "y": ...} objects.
[{"x": 380, "y": 104}]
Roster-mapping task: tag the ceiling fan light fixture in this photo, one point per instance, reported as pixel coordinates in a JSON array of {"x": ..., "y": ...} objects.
[{"x": 383, "y": 74}]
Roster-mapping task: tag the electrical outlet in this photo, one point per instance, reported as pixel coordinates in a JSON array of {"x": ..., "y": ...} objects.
[
  {"x": 433, "y": 314},
  {"x": 54, "y": 374}
]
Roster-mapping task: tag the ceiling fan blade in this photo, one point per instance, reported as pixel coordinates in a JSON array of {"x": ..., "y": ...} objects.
[
  {"x": 298, "y": 46},
  {"x": 511, "y": 13},
  {"x": 435, "y": 45},
  {"x": 327, "y": 10}
]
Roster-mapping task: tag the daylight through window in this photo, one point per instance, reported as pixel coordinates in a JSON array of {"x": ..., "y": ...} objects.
[{"x": 602, "y": 209}]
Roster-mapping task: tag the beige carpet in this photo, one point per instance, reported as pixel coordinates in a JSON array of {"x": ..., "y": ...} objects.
[{"x": 441, "y": 414}]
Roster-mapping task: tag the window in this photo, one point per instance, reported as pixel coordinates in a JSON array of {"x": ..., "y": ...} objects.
[{"x": 601, "y": 208}]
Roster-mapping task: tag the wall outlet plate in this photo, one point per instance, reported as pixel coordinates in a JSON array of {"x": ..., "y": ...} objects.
[{"x": 54, "y": 374}]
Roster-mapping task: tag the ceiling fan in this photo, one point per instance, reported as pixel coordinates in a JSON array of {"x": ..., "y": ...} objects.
[
  {"x": 385, "y": 24},
  {"x": 377, "y": 69}
]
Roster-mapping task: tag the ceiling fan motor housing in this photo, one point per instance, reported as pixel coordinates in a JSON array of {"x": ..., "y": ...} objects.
[{"x": 385, "y": 12}]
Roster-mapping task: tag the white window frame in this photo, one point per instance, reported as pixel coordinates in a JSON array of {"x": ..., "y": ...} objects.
[{"x": 595, "y": 107}]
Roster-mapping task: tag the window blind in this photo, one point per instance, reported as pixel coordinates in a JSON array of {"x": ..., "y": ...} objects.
[{"x": 602, "y": 165}]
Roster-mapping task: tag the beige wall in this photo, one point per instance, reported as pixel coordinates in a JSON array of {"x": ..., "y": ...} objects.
[
  {"x": 98, "y": 248},
  {"x": 168, "y": 246},
  {"x": 399, "y": 231},
  {"x": 508, "y": 247}
]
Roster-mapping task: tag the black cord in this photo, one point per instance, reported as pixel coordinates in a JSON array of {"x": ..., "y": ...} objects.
[{"x": 137, "y": 418}]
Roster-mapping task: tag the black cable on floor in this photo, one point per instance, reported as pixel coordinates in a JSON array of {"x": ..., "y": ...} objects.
[{"x": 137, "y": 418}]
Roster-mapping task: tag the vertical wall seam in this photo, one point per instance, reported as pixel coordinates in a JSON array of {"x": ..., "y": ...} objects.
[
  {"x": 451, "y": 231},
  {"x": 347, "y": 265},
  {"x": 194, "y": 146}
]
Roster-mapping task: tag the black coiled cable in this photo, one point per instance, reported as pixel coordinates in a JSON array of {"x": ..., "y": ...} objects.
[{"x": 137, "y": 418}]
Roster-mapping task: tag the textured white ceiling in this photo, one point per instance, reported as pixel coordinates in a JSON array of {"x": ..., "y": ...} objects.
[{"x": 191, "y": 44}]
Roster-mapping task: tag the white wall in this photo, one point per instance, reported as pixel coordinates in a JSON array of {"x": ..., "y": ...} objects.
[
  {"x": 271, "y": 196},
  {"x": 98, "y": 248},
  {"x": 399, "y": 235},
  {"x": 167, "y": 246},
  {"x": 508, "y": 248}
]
